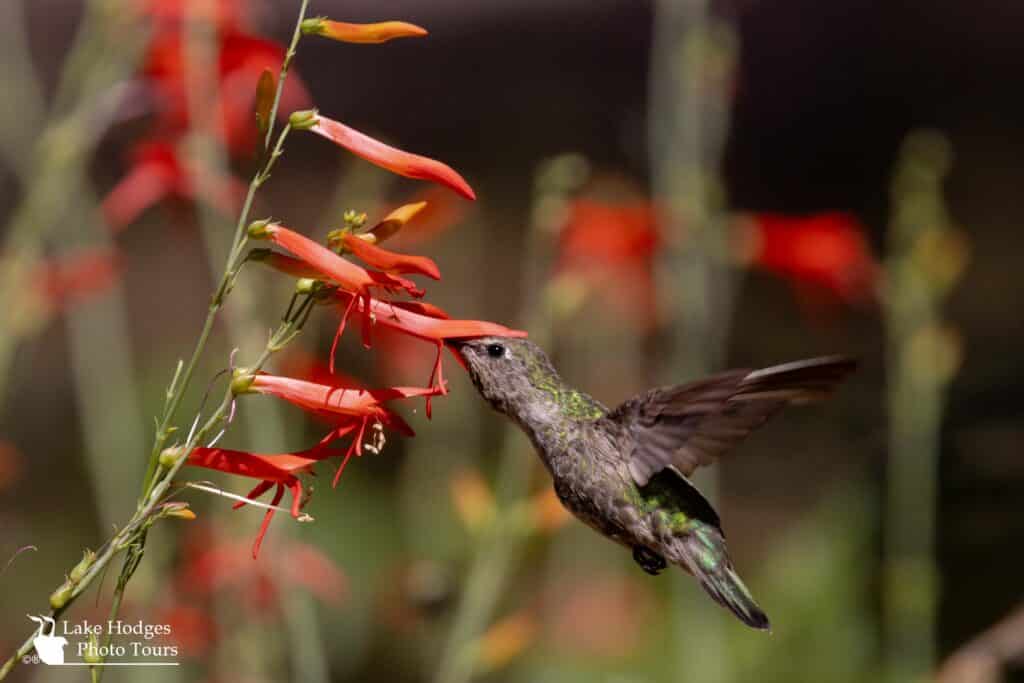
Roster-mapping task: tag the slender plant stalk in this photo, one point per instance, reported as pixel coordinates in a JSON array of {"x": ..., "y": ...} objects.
[
  {"x": 922, "y": 355},
  {"x": 131, "y": 537},
  {"x": 689, "y": 114}
]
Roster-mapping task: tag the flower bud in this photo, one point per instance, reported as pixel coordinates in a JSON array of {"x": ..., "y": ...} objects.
[
  {"x": 306, "y": 285},
  {"x": 169, "y": 457},
  {"x": 380, "y": 32},
  {"x": 303, "y": 119},
  {"x": 258, "y": 230},
  {"x": 178, "y": 511},
  {"x": 241, "y": 380},
  {"x": 79, "y": 570},
  {"x": 265, "y": 89},
  {"x": 313, "y": 26},
  {"x": 92, "y": 650},
  {"x": 59, "y": 598}
]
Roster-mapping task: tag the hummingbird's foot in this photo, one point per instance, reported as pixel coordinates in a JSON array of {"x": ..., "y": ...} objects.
[{"x": 650, "y": 561}]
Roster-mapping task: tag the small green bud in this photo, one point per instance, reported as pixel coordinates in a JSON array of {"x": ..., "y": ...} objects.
[
  {"x": 306, "y": 285},
  {"x": 241, "y": 380},
  {"x": 354, "y": 219},
  {"x": 170, "y": 456},
  {"x": 303, "y": 119},
  {"x": 259, "y": 230},
  {"x": 92, "y": 650},
  {"x": 313, "y": 26},
  {"x": 60, "y": 597},
  {"x": 78, "y": 573}
]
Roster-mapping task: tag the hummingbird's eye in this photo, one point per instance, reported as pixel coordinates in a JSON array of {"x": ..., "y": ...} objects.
[{"x": 495, "y": 350}]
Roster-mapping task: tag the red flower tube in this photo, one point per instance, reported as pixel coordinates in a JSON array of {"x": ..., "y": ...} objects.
[{"x": 376, "y": 152}]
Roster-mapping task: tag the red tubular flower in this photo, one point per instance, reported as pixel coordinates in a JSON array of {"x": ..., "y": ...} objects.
[
  {"x": 425, "y": 322},
  {"x": 274, "y": 470},
  {"x": 390, "y": 261},
  {"x": 332, "y": 267},
  {"x": 328, "y": 399},
  {"x": 826, "y": 250},
  {"x": 387, "y": 157},
  {"x": 380, "y": 32},
  {"x": 349, "y": 409}
]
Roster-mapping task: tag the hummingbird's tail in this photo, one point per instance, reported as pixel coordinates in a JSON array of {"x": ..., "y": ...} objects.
[{"x": 704, "y": 555}]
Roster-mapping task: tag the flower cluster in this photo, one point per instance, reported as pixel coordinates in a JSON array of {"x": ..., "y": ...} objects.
[
  {"x": 160, "y": 168},
  {"x": 327, "y": 274}
]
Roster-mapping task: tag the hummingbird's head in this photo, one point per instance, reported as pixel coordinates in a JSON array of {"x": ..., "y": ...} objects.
[{"x": 507, "y": 371}]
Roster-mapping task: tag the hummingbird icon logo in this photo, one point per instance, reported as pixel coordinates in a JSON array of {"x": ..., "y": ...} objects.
[{"x": 49, "y": 647}]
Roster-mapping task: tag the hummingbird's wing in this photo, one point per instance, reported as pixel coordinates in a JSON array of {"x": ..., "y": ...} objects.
[{"x": 690, "y": 425}]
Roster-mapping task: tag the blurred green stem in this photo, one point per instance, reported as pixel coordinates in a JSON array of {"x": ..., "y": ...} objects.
[
  {"x": 267, "y": 430},
  {"x": 692, "y": 63},
  {"x": 923, "y": 261}
]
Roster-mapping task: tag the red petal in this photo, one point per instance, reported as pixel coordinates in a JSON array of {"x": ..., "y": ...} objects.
[
  {"x": 390, "y": 158},
  {"x": 430, "y": 328},
  {"x": 332, "y": 267},
  {"x": 390, "y": 261}
]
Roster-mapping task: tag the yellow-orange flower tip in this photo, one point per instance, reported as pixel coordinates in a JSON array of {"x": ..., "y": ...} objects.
[
  {"x": 304, "y": 119},
  {"x": 380, "y": 32},
  {"x": 180, "y": 513},
  {"x": 260, "y": 230},
  {"x": 392, "y": 223}
]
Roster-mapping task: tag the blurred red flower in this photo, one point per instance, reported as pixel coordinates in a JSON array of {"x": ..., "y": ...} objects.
[
  {"x": 157, "y": 169},
  {"x": 157, "y": 173},
  {"x": 224, "y": 14},
  {"x": 611, "y": 246},
  {"x": 75, "y": 277},
  {"x": 827, "y": 251},
  {"x": 214, "y": 567}
]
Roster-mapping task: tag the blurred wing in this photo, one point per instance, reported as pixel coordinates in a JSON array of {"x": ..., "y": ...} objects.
[{"x": 690, "y": 425}]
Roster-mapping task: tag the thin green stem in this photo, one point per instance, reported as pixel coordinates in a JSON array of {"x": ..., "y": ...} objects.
[{"x": 288, "y": 57}]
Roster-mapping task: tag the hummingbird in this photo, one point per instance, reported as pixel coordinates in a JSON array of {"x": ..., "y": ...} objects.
[{"x": 625, "y": 472}]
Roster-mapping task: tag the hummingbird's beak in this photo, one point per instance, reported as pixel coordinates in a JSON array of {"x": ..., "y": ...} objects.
[{"x": 455, "y": 346}]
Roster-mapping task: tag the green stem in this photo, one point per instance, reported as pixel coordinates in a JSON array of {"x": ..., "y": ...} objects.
[{"x": 288, "y": 57}]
